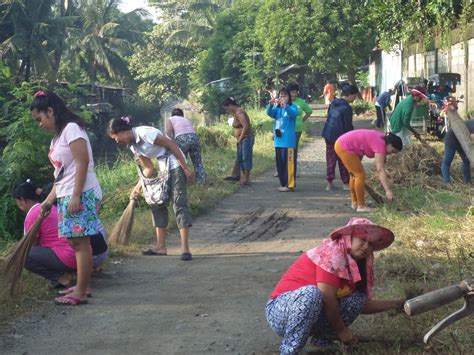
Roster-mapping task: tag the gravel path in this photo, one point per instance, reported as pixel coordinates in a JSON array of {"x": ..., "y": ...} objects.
[{"x": 213, "y": 304}]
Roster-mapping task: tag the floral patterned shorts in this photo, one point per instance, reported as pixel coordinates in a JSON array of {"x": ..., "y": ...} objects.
[{"x": 81, "y": 224}]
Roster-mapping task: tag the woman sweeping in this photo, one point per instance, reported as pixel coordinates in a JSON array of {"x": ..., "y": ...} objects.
[
  {"x": 352, "y": 146},
  {"x": 149, "y": 143},
  {"x": 327, "y": 288},
  {"x": 76, "y": 188},
  {"x": 51, "y": 257},
  {"x": 284, "y": 113},
  {"x": 182, "y": 130}
]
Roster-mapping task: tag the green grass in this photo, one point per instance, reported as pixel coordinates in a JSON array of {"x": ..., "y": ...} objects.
[{"x": 434, "y": 237}]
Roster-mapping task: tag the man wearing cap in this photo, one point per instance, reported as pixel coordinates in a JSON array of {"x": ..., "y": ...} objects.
[
  {"x": 401, "y": 116},
  {"x": 327, "y": 288}
]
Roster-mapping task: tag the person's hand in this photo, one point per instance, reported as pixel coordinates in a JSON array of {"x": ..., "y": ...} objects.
[
  {"x": 398, "y": 304},
  {"x": 188, "y": 173},
  {"x": 389, "y": 195},
  {"x": 417, "y": 135},
  {"x": 134, "y": 194},
  {"x": 346, "y": 336},
  {"x": 46, "y": 207},
  {"x": 75, "y": 205}
]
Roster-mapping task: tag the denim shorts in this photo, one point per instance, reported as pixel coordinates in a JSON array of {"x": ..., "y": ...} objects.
[{"x": 245, "y": 153}]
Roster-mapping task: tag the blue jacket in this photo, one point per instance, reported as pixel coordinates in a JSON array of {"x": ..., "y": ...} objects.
[
  {"x": 285, "y": 119},
  {"x": 339, "y": 120}
]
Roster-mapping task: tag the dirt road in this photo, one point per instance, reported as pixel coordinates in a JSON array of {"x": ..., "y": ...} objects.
[{"x": 213, "y": 304}]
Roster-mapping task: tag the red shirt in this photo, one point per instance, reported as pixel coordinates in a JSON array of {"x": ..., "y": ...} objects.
[{"x": 304, "y": 272}]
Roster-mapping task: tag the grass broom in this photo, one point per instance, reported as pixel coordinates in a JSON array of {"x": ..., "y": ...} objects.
[
  {"x": 121, "y": 232},
  {"x": 12, "y": 265}
]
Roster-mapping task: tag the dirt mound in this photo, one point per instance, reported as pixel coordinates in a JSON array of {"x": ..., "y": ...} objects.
[{"x": 418, "y": 164}]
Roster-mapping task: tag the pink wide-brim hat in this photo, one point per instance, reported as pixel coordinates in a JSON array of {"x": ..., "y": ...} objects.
[
  {"x": 379, "y": 237},
  {"x": 419, "y": 93}
]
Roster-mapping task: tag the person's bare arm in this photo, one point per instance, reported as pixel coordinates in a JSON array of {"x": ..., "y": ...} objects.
[
  {"x": 49, "y": 201},
  {"x": 377, "y": 306},
  {"x": 333, "y": 315},
  {"x": 167, "y": 143},
  {"x": 136, "y": 191},
  {"x": 81, "y": 157},
  {"x": 382, "y": 174},
  {"x": 169, "y": 129}
]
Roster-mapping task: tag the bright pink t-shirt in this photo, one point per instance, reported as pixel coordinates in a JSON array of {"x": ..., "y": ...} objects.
[
  {"x": 181, "y": 125},
  {"x": 304, "y": 272},
  {"x": 363, "y": 142},
  {"x": 48, "y": 235}
]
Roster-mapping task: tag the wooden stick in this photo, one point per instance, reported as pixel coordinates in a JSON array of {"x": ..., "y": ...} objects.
[
  {"x": 378, "y": 198},
  {"x": 462, "y": 133}
]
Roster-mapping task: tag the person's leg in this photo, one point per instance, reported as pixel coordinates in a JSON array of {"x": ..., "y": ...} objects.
[
  {"x": 466, "y": 166},
  {"x": 44, "y": 262},
  {"x": 82, "y": 248},
  {"x": 357, "y": 184},
  {"x": 298, "y": 137},
  {"x": 350, "y": 308},
  {"x": 247, "y": 159},
  {"x": 331, "y": 159},
  {"x": 449, "y": 153},
  {"x": 291, "y": 168},
  {"x": 180, "y": 206},
  {"x": 292, "y": 316},
  {"x": 345, "y": 176},
  {"x": 379, "y": 120},
  {"x": 159, "y": 216},
  {"x": 196, "y": 157},
  {"x": 280, "y": 158}
]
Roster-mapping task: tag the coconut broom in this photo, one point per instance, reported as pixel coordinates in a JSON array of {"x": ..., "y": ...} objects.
[
  {"x": 121, "y": 232},
  {"x": 12, "y": 266}
]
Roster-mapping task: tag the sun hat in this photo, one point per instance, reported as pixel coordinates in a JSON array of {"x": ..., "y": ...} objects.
[
  {"x": 379, "y": 237},
  {"x": 419, "y": 91}
]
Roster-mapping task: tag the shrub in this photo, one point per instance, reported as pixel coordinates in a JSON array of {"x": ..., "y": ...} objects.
[{"x": 360, "y": 107}]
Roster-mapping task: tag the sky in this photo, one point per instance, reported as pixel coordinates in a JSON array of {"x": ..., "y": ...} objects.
[{"x": 129, "y": 5}]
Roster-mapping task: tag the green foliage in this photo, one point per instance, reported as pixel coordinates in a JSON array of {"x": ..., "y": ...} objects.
[
  {"x": 233, "y": 52},
  {"x": 361, "y": 106},
  {"x": 162, "y": 71},
  {"x": 401, "y": 22},
  {"x": 330, "y": 36},
  {"x": 212, "y": 138}
]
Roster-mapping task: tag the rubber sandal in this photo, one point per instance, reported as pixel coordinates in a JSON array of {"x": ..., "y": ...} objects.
[
  {"x": 69, "y": 300},
  {"x": 71, "y": 290},
  {"x": 232, "y": 178},
  {"x": 151, "y": 252},
  {"x": 186, "y": 256}
]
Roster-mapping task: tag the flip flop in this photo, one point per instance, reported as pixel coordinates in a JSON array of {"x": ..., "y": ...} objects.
[
  {"x": 71, "y": 290},
  {"x": 153, "y": 253},
  {"x": 186, "y": 256},
  {"x": 69, "y": 300}
]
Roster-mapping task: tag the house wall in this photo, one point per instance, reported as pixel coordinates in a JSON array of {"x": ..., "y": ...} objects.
[{"x": 458, "y": 57}]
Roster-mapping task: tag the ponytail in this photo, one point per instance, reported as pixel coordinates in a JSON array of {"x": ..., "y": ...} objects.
[{"x": 117, "y": 125}]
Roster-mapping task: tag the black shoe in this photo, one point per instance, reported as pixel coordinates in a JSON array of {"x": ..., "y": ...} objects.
[
  {"x": 186, "y": 256},
  {"x": 232, "y": 178}
]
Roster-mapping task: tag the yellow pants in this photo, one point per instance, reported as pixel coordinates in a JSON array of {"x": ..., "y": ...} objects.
[{"x": 353, "y": 163}]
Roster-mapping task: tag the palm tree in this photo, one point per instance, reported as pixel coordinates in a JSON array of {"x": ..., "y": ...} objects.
[
  {"x": 189, "y": 21},
  {"x": 106, "y": 38},
  {"x": 29, "y": 32}
]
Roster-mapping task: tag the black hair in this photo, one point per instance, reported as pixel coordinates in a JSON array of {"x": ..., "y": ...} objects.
[
  {"x": 293, "y": 87},
  {"x": 362, "y": 284},
  {"x": 230, "y": 101},
  {"x": 394, "y": 140},
  {"x": 117, "y": 125},
  {"x": 349, "y": 90},
  {"x": 287, "y": 92},
  {"x": 177, "y": 112},
  {"x": 26, "y": 190},
  {"x": 62, "y": 115}
]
